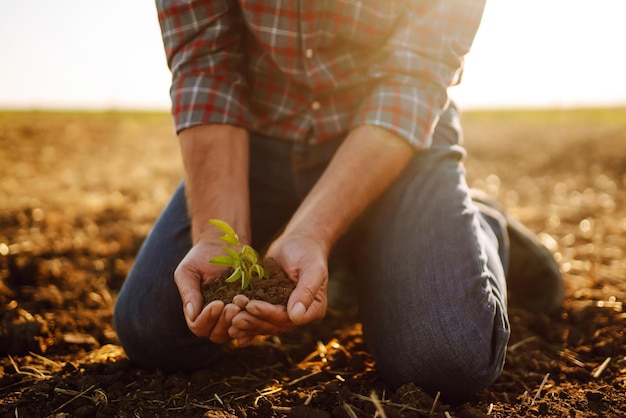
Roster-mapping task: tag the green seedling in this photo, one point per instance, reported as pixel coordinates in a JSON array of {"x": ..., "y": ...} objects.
[{"x": 243, "y": 262}]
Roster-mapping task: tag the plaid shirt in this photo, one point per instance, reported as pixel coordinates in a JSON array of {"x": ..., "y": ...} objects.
[{"x": 310, "y": 70}]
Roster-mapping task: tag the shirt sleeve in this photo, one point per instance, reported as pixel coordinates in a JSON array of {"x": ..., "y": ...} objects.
[
  {"x": 203, "y": 48},
  {"x": 423, "y": 57}
]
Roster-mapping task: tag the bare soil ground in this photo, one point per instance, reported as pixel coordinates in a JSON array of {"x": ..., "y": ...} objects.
[{"x": 79, "y": 192}]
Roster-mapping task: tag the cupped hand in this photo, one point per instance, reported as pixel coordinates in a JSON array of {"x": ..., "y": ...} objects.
[
  {"x": 213, "y": 320},
  {"x": 304, "y": 260}
]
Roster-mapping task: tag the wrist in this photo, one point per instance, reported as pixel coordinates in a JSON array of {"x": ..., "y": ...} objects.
[
  {"x": 309, "y": 229},
  {"x": 216, "y": 164},
  {"x": 203, "y": 230}
]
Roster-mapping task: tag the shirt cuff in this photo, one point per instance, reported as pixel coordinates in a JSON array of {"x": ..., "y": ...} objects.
[
  {"x": 199, "y": 99},
  {"x": 409, "y": 111}
]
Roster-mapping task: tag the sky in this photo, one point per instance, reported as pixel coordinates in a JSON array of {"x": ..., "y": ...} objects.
[{"x": 87, "y": 54}]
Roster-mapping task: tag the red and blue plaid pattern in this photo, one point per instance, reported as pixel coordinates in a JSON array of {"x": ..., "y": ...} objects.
[{"x": 310, "y": 70}]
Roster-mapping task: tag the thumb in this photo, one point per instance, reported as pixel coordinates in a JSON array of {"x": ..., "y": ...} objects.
[
  {"x": 297, "y": 312},
  {"x": 305, "y": 293},
  {"x": 192, "y": 303},
  {"x": 189, "y": 289}
]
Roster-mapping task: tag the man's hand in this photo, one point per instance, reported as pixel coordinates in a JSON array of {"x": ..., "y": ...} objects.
[
  {"x": 194, "y": 271},
  {"x": 304, "y": 259}
]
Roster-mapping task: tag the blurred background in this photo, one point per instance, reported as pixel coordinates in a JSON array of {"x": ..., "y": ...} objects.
[{"x": 81, "y": 54}]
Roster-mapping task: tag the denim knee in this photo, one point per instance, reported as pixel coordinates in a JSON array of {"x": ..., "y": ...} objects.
[{"x": 442, "y": 358}]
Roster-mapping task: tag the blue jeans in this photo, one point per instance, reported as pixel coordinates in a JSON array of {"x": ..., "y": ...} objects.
[{"x": 430, "y": 268}]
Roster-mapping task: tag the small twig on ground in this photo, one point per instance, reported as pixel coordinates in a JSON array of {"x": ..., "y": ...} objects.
[
  {"x": 596, "y": 374},
  {"x": 35, "y": 372},
  {"x": 568, "y": 355},
  {"x": 432, "y": 409},
  {"x": 543, "y": 382},
  {"x": 309, "y": 398},
  {"x": 100, "y": 397},
  {"x": 38, "y": 374},
  {"x": 56, "y": 364},
  {"x": 520, "y": 343},
  {"x": 524, "y": 397},
  {"x": 14, "y": 364},
  {"x": 490, "y": 409},
  {"x": 238, "y": 398},
  {"x": 283, "y": 409},
  {"x": 216, "y": 396},
  {"x": 320, "y": 350},
  {"x": 348, "y": 408},
  {"x": 71, "y": 392},
  {"x": 379, "y": 408},
  {"x": 267, "y": 391},
  {"x": 301, "y": 378}
]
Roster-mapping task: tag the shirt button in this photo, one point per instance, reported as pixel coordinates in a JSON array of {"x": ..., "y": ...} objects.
[
  {"x": 308, "y": 53},
  {"x": 316, "y": 105}
]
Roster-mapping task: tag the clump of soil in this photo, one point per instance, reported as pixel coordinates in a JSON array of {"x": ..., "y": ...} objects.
[{"x": 276, "y": 289}]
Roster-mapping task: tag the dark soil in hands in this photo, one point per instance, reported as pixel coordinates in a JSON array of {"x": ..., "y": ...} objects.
[
  {"x": 80, "y": 192},
  {"x": 276, "y": 289}
]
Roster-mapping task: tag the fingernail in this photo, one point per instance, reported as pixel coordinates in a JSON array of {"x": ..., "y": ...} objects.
[
  {"x": 297, "y": 312},
  {"x": 190, "y": 311}
]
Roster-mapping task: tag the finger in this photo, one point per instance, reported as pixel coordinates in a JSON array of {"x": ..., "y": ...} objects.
[
  {"x": 276, "y": 314},
  {"x": 241, "y": 301},
  {"x": 189, "y": 288},
  {"x": 308, "y": 289},
  {"x": 247, "y": 325},
  {"x": 219, "y": 335},
  {"x": 205, "y": 322},
  {"x": 244, "y": 341}
]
